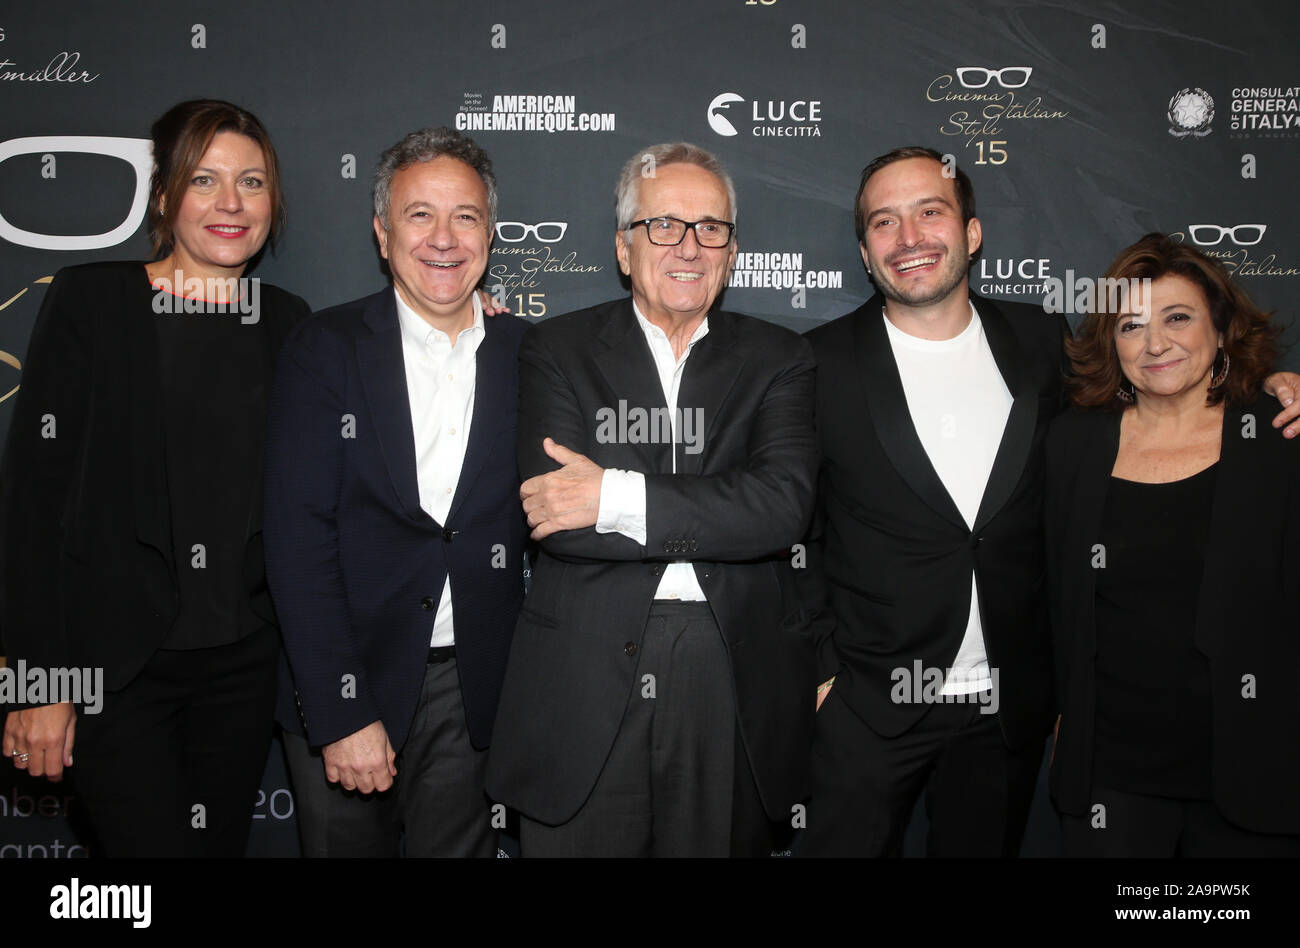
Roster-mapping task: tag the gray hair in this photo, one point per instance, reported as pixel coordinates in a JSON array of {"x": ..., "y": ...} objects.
[
  {"x": 426, "y": 145},
  {"x": 627, "y": 194}
]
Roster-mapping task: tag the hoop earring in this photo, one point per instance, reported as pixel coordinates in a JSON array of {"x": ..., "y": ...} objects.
[{"x": 1222, "y": 375}]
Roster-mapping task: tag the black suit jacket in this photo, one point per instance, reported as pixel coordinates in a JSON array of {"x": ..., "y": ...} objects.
[
  {"x": 890, "y": 545},
  {"x": 734, "y": 510},
  {"x": 88, "y": 566},
  {"x": 1245, "y": 611},
  {"x": 356, "y": 566}
]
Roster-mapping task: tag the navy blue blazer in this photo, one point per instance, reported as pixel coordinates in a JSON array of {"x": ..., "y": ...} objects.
[{"x": 356, "y": 566}]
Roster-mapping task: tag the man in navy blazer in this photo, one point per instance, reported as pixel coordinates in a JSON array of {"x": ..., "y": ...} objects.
[{"x": 394, "y": 536}]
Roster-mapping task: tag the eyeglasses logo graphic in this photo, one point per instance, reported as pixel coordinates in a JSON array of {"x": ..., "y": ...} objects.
[
  {"x": 137, "y": 152},
  {"x": 546, "y": 232},
  {"x": 1243, "y": 235},
  {"x": 1008, "y": 77}
]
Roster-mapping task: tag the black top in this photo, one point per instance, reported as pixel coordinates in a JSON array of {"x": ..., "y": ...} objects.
[
  {"x": 1243, "y": 591},
  {"x": 1153, "y": 684},
  {"x": 88, "y": 561},
  {"x": 215, "y": 372}
]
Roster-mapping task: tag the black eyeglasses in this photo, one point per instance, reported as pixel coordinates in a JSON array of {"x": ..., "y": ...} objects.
[{"x": 669, "y": 231}]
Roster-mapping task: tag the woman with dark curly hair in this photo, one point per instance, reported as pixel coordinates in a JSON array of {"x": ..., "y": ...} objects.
[
  {"x": 1173, "y": 520},
  {"x": 131, "y": 505}
]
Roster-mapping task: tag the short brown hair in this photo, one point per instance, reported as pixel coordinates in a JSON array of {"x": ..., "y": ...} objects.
[
  {"x": 180, "y": 139},
  {"x": 960, "y": 182},
  {"x": 1250, "y": 340}
]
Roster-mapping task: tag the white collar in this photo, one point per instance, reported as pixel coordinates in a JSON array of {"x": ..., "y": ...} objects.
[{"x": 418, "y": 330}]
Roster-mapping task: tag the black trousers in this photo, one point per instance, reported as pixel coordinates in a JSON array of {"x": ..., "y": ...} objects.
[
  {"x": 1135, "y": 825},
  {"x": 171, "y": 764},
  {"x": 437, "y": 805},
  {"x": 677, "y": 781},
  {"x": 977, "y": 790}
]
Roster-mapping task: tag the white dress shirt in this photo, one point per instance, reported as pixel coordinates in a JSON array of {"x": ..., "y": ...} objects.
[
  {"x": 622, "y": 493},
  {"x": 959, "y": 405},
  {"x": 440, "y": 386}
]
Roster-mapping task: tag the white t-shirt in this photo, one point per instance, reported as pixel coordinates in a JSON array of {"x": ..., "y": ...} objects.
[{"x": 959, "y": 405}]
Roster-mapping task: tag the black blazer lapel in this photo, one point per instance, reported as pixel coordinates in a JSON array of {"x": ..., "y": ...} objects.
[
  {"x": 1018, "y": 434},
  {"x": 1096, "y": 460},
  {"x": 1229, "y": 533},
  {"x": 710, "y": 373},
  {"x": 148, "y": 461},
  {"x": 628, "y": 368},
  {"x": 383, "y": 377},
  {"x": 493, "y": 406},
  {"x": 887, "y": 405}
]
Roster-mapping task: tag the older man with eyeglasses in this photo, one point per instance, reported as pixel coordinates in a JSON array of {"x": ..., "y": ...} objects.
[{"x": 658, "y": 698}]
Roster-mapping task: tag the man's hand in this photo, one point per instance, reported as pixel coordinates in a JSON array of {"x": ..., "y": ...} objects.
[
  {"x": 490, "y": 306},
  {"x": 1285, "y": 386},
  {"x": 39, "y": 740},
  {"x": 567, "y": 499},
  {"x": 363, "y": 761}
]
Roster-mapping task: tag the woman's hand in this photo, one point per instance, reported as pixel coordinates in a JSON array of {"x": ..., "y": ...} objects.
[{"x": 39, "y": 740}]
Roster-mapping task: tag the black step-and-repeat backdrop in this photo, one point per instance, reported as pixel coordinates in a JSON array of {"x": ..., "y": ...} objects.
[{"x": 1083, "y": 126}]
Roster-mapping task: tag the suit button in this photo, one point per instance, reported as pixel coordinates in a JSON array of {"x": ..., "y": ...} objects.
[
  {"x": 975, "y": 542},
  {"x": 692, "y": 546},
  {"x": 448, "y": 533},
  {"x": 427, "y": 603},
  {"x": 656, "y": 570},
  {"x": 630, "y": 648}
]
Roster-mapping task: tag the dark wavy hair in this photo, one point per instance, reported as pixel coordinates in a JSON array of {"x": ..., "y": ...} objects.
[
  {"x": 180, "y": 139},
  {"x": 1250, "y": 340}
]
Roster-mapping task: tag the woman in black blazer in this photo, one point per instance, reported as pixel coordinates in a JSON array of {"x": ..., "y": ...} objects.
[
  {"x": 131, "y": 506},
  {"x": 1173, "y": 519}
]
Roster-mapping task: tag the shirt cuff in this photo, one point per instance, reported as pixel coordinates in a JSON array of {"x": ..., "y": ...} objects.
[{"x": 622, "y": 504}]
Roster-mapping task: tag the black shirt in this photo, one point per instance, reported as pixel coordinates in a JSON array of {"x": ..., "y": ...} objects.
[
  {"x": 215, "y": 376},
  {"x": 1153, "y": 720}
]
